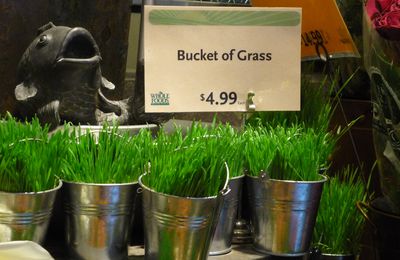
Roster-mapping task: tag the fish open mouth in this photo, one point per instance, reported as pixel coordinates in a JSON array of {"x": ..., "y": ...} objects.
[{"x": 79, "y": 47}]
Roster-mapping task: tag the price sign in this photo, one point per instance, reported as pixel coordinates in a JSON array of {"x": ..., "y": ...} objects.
[
  {"x": 322, "y": 24},
  {"x": 204, "y": 59}
]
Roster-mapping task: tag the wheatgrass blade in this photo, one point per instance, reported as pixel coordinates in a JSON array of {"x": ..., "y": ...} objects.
[
  {"x": 317, "y": 107},
  {"x": 189, "y": 166},
  {"x": 286, "y": 153},
  {"x": 339, "y": 224},
  {"x": 108, "y": 157},
  {"x": 259, "y": 149},
  {"x": 231, "y": 144},
  {"x": 29, "y": 159}
]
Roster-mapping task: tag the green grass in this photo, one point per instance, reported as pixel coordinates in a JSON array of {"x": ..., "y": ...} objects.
[
  {"x": 188, "y": 162},
  {"x": 192, "y": 165},
  {"x": 316, "y": 140},
  {"x": 259, "y": 150},
  {"x": 318, "y": 104},
  {"x": 285, "y": 153},
  {"x": 339, "y": 224},
  {"x": 317, "y": 107},
  {"x": 13, "y": 131},
  {"x": 112, "y": 157},
  {"x": 231, "y": 144},
  {"x": 29, "y": 159}
]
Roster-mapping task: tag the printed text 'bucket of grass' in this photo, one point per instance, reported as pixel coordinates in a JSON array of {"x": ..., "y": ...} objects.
[{"x": 283, "y": 214}]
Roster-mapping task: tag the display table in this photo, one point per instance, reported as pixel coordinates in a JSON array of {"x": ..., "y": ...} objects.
[{"x": 239, "y": 252}]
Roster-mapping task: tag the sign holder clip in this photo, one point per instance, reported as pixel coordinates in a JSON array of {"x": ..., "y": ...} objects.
[{"x": 250, "y": 106}]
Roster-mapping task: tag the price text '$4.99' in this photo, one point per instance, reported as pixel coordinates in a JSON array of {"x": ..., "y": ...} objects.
[{"x": 223, "y": 98}]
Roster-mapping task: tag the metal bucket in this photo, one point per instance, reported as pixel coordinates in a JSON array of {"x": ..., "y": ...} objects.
[
  {"x": 26, "y": 216},
  {"x": 336, "y": 257},
  {"x": 98, "y": 218},
  {"x": 222, "y": 239},
  {"x": 178, "y": 228},
  {"x": 316, "y": 254},
  {"x": 283, "y": 214}
]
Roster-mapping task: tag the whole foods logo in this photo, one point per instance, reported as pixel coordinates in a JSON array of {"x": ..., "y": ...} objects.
[{"x": 160, "y": 99}]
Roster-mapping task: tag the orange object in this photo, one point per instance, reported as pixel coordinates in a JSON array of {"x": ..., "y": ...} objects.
[{"x": 322, "y": 24}]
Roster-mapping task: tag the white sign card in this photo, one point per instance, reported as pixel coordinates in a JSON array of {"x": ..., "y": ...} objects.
[{"x": 204, "y": 59}]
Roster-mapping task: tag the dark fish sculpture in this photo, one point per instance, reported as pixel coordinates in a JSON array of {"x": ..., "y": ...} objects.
[{"x": 60, "y": 80}]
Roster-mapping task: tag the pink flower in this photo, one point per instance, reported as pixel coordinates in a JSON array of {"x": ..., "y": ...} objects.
[
  {"x": 372, "y": 9},
  {"x": 378, "y": 7},
  {"x": 395, "y": 6},
  {"x": 388, "y": 25},
  {"x": 384, "y": 5},
  {"x": 385, "y": 17},
  {"x": 390, "y": 19}
]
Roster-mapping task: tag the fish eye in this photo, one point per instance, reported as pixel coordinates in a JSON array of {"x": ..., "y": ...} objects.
[{"x": 42, "y": 41}]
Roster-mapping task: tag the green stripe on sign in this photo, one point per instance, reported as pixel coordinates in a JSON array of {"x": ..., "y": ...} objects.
[{"x": 224, "y": 17}]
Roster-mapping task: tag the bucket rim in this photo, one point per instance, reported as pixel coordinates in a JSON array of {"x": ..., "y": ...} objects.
[
  {"x": 259, "y": 249},
  {"x": 99, "y": 184},
  {"x": 172, "y": 196},
  {"x": 237, "y": 177},
  {"x": 338, "y": 254},
  {"x": 323, "y": 179},
  {"x": 60, "y": 184}
]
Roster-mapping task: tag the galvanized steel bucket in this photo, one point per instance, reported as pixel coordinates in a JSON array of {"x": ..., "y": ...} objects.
[
  {"x": 283, "y": 214},
  {"x": 98, "y": 218},
  {"x": 26, "y": 215},
  {"x": 316, "y": 254},
  {"x": 336, "y": 257},
  {"x": 222, "y": 239},
  {"x": 179, "y": 228}
]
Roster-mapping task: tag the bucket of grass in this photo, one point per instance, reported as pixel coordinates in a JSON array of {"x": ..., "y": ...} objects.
[
  {"x": 100, "y": 175},
  {"x": 28, "y": 181},
  {"x": 284, "y": 188},
  {"x": 182, "y": 194}
]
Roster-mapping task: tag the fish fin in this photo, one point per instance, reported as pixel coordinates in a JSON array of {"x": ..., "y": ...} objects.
[
  {"x": 107, "y": 84},
  {"x": 107, "y": 105},
  {"x": 121, "y": 119},
  {"x": 49, "y": 114},
  {"x": 45, "y": 27},
  {"x": 23, "y": 92}
]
